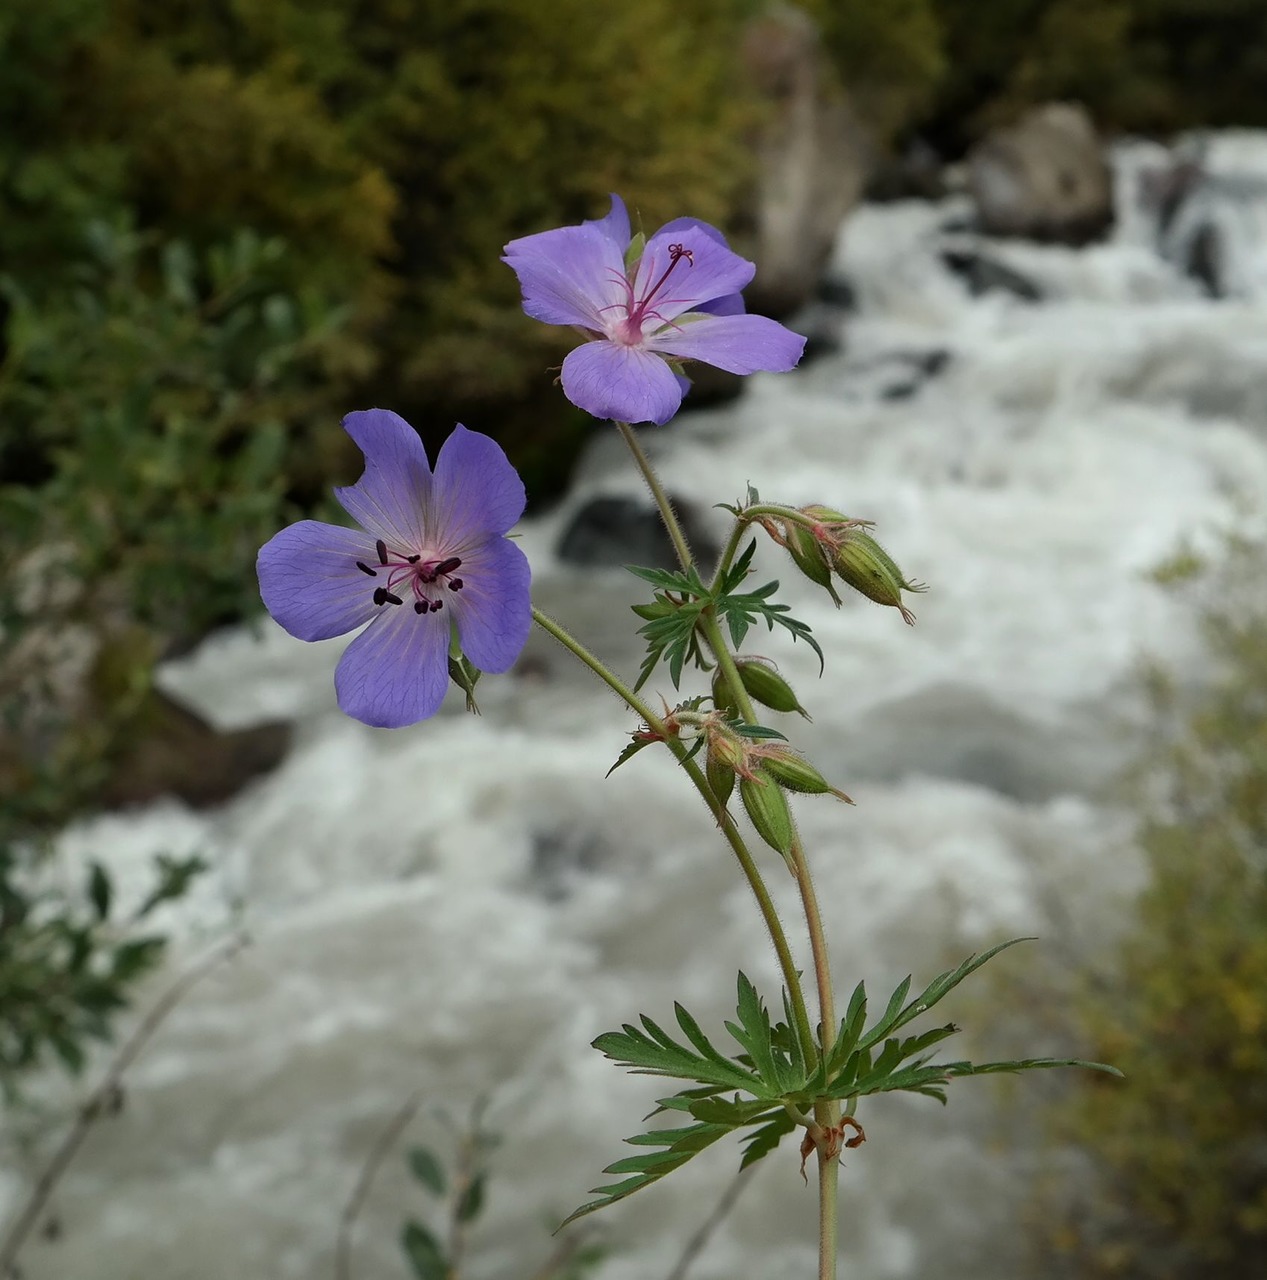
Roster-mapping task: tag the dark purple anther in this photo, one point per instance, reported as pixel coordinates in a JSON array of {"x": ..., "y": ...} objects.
[
  {"x": 391, "y": 599},
  {"x": 381, "y": 547},
  {"x": 380, "y": 595},
  {"x": 455, "y": 584},
  {"x": 364, "y": 568},
  {"x": 446, "y": 566}
]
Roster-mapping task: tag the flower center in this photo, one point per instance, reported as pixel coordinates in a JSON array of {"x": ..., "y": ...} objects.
[
  {"x": 639, "y": 309},
  {"x": 403, "y": 574}
]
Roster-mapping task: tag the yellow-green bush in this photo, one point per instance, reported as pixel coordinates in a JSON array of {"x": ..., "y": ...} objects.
[{"x": 1180, "y": 1149}]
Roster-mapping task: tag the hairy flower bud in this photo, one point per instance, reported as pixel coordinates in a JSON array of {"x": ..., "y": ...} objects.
[
  {"x": 797, "y": 774},
  {"x": 766, "y": 686},
  {"x": 808, "y": 555},
  {"x": 767, "y": 807},
  {"x": 865, "y": 565},
  {"x": 721, "y": 776}
]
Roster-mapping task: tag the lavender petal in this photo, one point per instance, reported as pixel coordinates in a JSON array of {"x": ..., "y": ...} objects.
[
  {"x": 570, "y": 275},
  {"x": 309, "y": 580},
  {"x": 731, "y": 305},
  {"x": 395, "y": 487},
  {"x": 475, "y": 490},
  {"x": 738, "y": 344},
  {"x": 627, "y": 384},
  {"x": 494, "y": 608},
  {"x": 396, "y": 671},
  {"x": 615, "y": 226},
  {"x": 711, "y": 272},
  {"x": 675, "y": 228}
]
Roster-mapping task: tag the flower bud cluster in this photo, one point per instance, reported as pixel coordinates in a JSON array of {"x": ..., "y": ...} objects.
[
  {"x": 765, "y": 770},
  {"x": 836, "y": 545}
]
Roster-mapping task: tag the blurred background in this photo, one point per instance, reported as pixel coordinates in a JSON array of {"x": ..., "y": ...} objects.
[{"x": 1027, "y": 242}]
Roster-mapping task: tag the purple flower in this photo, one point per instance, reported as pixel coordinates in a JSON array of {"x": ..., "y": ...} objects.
[
  {"x": 430, "y": 556},
  {"x": 677, "y": 299}
]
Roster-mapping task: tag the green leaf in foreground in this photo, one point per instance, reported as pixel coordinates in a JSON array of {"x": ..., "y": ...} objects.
[{"x": 767, "y": 1085}]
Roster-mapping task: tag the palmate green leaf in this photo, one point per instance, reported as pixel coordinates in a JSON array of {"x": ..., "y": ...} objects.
[
  {"x": 680, "y": 1145},
  {"x": 686, "y": 582},
  {"x": 741, "y": 611},
  {"x": 758, "y": 1145},
  {"x": 631, "y": 749},
  {"x": 671, "y": 636},
  {"x": 756, "y": 1036},
  {"x": 654, "y": 1052},
  {"x": 898, "y": 1014},
  {"x": 732, "y": 1112}
]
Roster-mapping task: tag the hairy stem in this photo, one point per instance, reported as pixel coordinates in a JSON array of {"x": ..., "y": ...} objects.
[
  {"x": 667, "y": 514},
  {"x": 826, "y": 1112},
  {"x": 731, "y": 832}
]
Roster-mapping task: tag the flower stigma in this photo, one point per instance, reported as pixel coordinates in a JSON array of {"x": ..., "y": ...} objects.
[{"x": 629, "y": 330}]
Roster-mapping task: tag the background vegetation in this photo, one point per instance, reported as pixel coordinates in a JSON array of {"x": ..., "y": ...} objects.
[{"x": 1179, "y": 1156}]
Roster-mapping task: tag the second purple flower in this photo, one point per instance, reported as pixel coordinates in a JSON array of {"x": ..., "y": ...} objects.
[
  {"x": 644, "y": 311},
  {"x": 430, "y": 558}
]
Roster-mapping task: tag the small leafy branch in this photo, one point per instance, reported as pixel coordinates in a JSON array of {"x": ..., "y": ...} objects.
[
  {"x": 770, "y": 1087},
  {"x": 461, "y": 1189},
  {"x": 672, "y": 629}
]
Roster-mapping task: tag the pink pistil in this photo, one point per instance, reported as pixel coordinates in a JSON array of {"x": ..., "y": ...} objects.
[{"x": 629, "y": 330}]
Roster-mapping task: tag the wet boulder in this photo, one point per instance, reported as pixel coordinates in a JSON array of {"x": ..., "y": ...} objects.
[{"x": 1043, "y": 178}]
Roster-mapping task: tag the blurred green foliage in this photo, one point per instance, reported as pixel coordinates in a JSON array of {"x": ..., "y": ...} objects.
[
  {"x": 68, "y": 962},
  {"x": 950, "y": 68},
  {"x": 1180, "y": 1149},
  {"x": 221, "y": 227}
]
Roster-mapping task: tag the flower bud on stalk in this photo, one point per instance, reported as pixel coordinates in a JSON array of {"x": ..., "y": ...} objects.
[
  {"x": 865, "y": 565},
  {"x": 766, "y": 686},
  {"x": 762, "y": 683},
  {"x": 721, "y": 776},
  {"x": 797, "y": 774},
  {"x": 767, "y": 807},
  {"x": 808, "y": 554}
]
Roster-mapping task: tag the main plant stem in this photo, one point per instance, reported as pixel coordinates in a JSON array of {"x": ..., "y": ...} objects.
[{"x": 827, "y": 1111}]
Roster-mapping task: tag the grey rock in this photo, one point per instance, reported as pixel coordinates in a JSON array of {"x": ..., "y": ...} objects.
[
  {"x": 614, "y": 530},
  {"x": 1044, "y": 178}
]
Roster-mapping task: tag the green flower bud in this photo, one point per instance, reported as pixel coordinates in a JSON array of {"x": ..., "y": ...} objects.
[
  {"x": 865, "y": 565},
  {"x": 797, "y": 774},
  {"x": 766, "y": 686},
  {"x": 721, "y": 777},
  {"x": 826, "y": 515},
  {"x": 723, "y": 696},
  {"x": 808, "y": 555},
  {"x": 767, "y": 807}
]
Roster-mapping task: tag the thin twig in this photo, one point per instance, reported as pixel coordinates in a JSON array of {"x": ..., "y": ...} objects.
[
  {"x": 555, "y": 1263},
  {"x": 369, "y": 1170},
  {"x": 99, "y": 1101},
  {"x": 695, "y": 1245}
]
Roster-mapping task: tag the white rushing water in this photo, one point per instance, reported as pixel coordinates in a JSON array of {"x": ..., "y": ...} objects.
[{"x": 459, "y": 908}]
